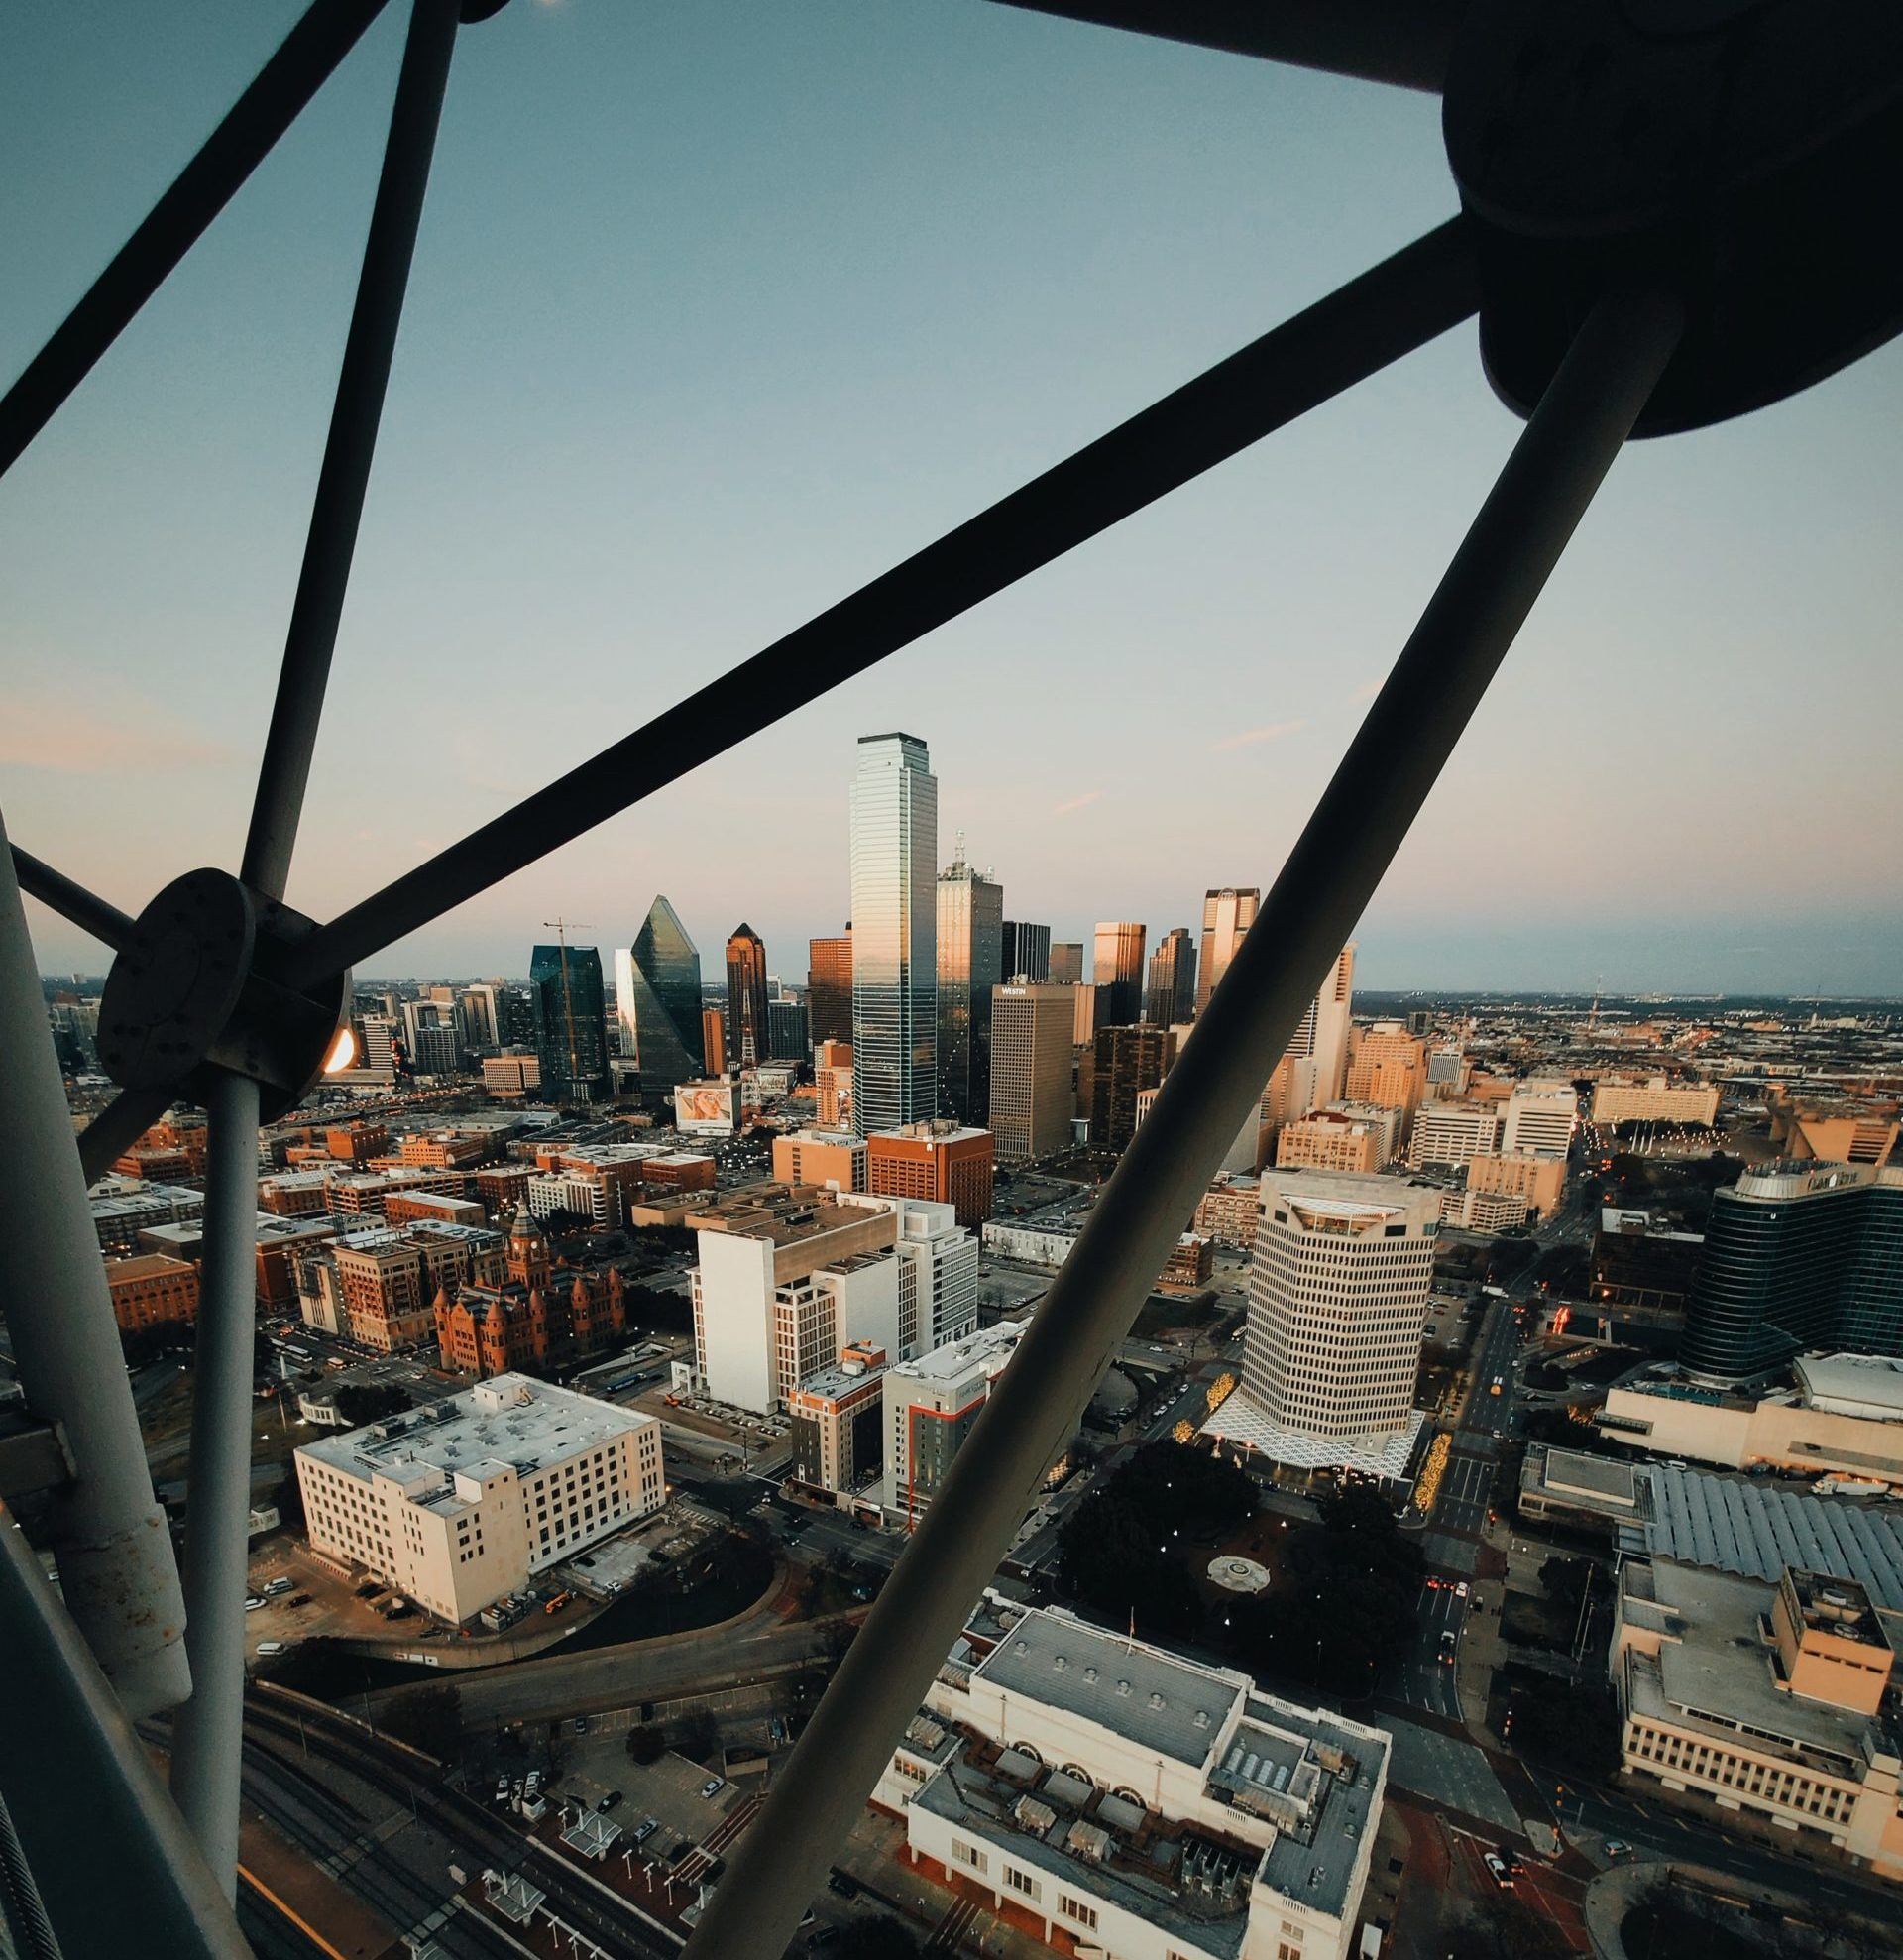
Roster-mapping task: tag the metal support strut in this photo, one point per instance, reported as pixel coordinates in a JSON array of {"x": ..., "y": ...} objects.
[
  {"x": 116, "y": 1569},
  {"x": 1409, "y": 732}
]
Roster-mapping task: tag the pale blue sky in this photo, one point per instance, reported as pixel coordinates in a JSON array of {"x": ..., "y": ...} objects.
[{"x": 720, "y": 308}]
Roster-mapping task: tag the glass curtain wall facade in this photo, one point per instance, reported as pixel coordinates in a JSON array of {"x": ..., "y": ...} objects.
[
  {"x": 1227, "y": 914},
  {"x": 1797, "y": 1259},
  {"x": 748, "y": 1037},
  {"x": 971, "y": 964},
  {"x": 658, "y": 999},
  {"x": 828, "y": 988},
  {"x": 1027, "y": 952},
  {"x": 571, "y": 1022},
  {"x": 1118, "y": 965},
  {"x": 895, "y": 950},
  {"x": 1173, "y": 979}
]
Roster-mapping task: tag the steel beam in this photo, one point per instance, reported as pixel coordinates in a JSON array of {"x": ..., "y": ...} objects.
[
  {"x": 1389, "y": 310},
  {"x": 338, "y": 507},
  {"x": 210, "y": 1726},
  {"x": 106, "y": 923},
  {"x": 130, "y": 1881},
  {"x": 116, "y": 1569},
  {"x": 1409, "y": 732},
  {"x": 259, "y": 116},
  {"x": 1405, "y": 42},
  {"x": 118, "y": 1126}
]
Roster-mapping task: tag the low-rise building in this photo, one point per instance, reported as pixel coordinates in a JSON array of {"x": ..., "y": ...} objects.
[
  {"x": 1766, "y": 1696},
  {"x": 1535, "y": 1182},
  {"x": 1027, "y": 1240},
  {"x": 835, "y": 1421},
  {"x": 381, "y": 1286},
  {"x": 1654, "y": 1099},
  {"x": 931, "y": 1403},
  {"x": 821, "y": 1157},
  {"x": 536, "y": 1318},
  {"x": 941, "y": 1162},
  {"x": 1189, "y": 1264},
  {"x": 1113, "y": 1797},
  {"x": 149, "y": 1287},
  {"x": 462, "y": 1501},
  {"x": 1227, "y": 1212},
  {"x": 124, "y": 1207}
]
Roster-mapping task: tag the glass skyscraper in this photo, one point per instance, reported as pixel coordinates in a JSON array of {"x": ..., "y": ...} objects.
[
  {"x": 1228, "y": 915},
  {"x": 971, "y": 964},
  {"x": 658, "y": 999},
  {"x": 1173, "y": 979},
  {"x": 1118, "y": 965},
  {"x": 1027, "y": 952},
  {"x": 828, "y": 988},
  {"x": 746, "y": 1029},
  {"x": 895, "y": 935},
  {"x": 571, "y": 1022}
]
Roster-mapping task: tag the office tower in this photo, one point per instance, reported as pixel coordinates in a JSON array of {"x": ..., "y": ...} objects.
[
  {"x": 970, "y": 928},
  {"x": 1173, "y": 979},
  {"x": 1118, "y": 963},
  {"x": 829, "y": 986},
  {"x": 377, "y": 1033},
  {"x": 1030, "y": 1047},
  {"x": 1389, "y": 1065},
  {"x": 1540, "y": 1118},
  {"x": 944, "y": 1163},
  {"x": 1796, "y": 1257},
  {"x": 787, "y": 1031},
  {"x": 1454, "y": 1132},
  {"x": 1227, "y": 914},
  {"x": 478, "y": 1011},
  {"x": 714, "y": 1040},
  {"x": 931, "y": 1405},
  {"x": 438, "y": 1050},
  {"x": 657, "y": 1000},
  {"x": 1317, "y": 1057},
  {"x": 1334, "y": 1140},
  {"x": 1090, "y": 1009},
  {"x": 1448, "y": 1074},
  {"x": 1337, "y": 1304},
  {"x": 833, "y": 1072},
  {"x": 746, "y": 1029},
  {"x": 1128, "y": 1059},
  {"x": 895, "y": 931},
  {"x": 1027, "y": 952},
  {"x": 571, "y": 1022},
  {"x": 1066, "y": 963}
]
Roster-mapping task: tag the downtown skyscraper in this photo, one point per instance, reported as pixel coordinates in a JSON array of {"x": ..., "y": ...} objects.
[
  {"x": 895, "y": 935},
  {"x": 571, "y": 1022},
  {"x": 971, "y": 964},
  {"x": 829, "y": 986},
  {"x": 1117, "y": 964},
  {"x": 1227, "y": 914},
  {"x": 658, "y": 999},
  {"x": 1173, "y": 979},
  {"x": 747, "y": 1044}
]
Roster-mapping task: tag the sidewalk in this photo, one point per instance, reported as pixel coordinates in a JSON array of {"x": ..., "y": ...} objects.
[{"x": 1611, "y": 1895}]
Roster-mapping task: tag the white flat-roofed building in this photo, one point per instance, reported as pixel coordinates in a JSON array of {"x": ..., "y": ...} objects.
[
  {"x": 1454, "y": 1132},
  {"x": 1142, "y": 1804},
  {"x": 1629, "y": 1100},
  {"x": 1035, "y": 1244},
  {"x": 1337, "y": 1304},
  {"x": 1541, "y": 1119},
  {"x": 458, "y": 1503},
  {"x": 931, "y": 1403}
]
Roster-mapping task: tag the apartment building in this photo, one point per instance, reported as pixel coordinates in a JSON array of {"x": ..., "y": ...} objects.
[
  {"x": 1115, "y": 1797},
  {"x": 1764, "y": 1696},
  {"x": 930, "y": 1405},
  {"x": 1653, "y": 1100},
  {"x": 836, "y": 1419},
  {"x": 459, "y": 1502}
]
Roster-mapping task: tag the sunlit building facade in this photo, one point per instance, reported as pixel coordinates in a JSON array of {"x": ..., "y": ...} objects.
[
  {"x": 571, "y": 1022},
  {"x": 747, "y": 1033},
  {"x": 1227, "y": 914},
  {"x": 1118, "y": 963},
  {"x": 971, "y": 926},
  {"x": 828, "y": 988},
  {"x": 1173, "y": 979},
  {"x": 657, "y": 1000},
  {"x": 895, "y": 920}
]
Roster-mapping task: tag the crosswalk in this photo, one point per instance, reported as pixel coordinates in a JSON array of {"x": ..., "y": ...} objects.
[
  {"x": 698, "y": 1862},
  {"x": 949, "y": 1935}
]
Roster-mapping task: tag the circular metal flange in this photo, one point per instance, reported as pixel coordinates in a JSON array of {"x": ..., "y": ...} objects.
[
  {"x": 1746, "y": 153},
  {"x": 195, "y": 990},
  {"x": 174, "y": 987},
  {"x": 481, "y": 10}
]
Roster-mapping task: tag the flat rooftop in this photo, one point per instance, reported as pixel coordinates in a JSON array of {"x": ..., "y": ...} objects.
[
  {"x": 509, "y": 1420},
  {"x": 956, "y": 1357},
  {"x": 1852, "y": 1384}
]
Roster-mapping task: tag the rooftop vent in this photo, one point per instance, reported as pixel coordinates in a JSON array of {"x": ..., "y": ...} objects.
[
  {"x": 1061, "y": 1662},
  {"x": 1203, "y": 1718},
  {"x": 1156, "y": 1701},
  {"x": 1023, "y": 1647},
  {"x": 1123, "y": 1687},
  {"x": 1090, "y": 1674}
]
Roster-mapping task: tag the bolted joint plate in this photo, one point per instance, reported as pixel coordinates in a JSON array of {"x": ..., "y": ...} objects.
[
  {"x": 1749, "y": 154},
  {"x": 196, "y": 989}
]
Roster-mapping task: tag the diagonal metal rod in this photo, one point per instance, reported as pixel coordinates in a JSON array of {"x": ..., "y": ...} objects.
[
  {"x": 1402, "y": 41},
  {"x": 1340, "y": 857},
  {"x": 1374, "y": 320},
  {"x": 338, "y": 507},
  {"x": 259, "y": 116},
  {"x": 210, "y": 1726},
  {"x": 67, "y": 1749},
  {"x": 116, "y": 1569},
  {"x": 90, "y": 913},
  {"x": 118, "y": 1126}
]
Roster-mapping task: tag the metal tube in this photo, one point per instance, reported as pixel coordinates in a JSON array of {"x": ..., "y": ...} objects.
[
  {"x": 1359, "y": 329},
  {"x": 116, "y": 1569},
  {"x": 1393, "y": 762},
  {"x": 22, "y": 1910},
  {"x": 1405, "y": 42},
  {"x": 338, "y": 506},
  {"x": 67, "y": 1743},
  {"x": 106, "y": 923},
  {"x": 259, "y": 116},
  {"x": 210, "y": 1726},
  {"x": 118, "y": 1126}
]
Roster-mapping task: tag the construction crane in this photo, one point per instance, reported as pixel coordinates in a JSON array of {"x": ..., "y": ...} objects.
[{"x": 560, "y": 929}]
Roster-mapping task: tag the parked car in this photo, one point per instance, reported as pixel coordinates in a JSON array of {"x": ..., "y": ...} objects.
[
  {"x": 843, "y": 1883},
  {"x": 252, "y": 1602},
  {"x": 1497, "y": 1867},
  {"x": 501, "y": 1789},
  {"x": 1616, "y": 1847},
  {"x": 581, "y": 1724},
  {"x": 298, "y": 1599},
  {"x": 270, "y": 1647},
  {"x": 608, "y": 1802},
  {"x": 713, "y": 1786},
  {"x": 646, "y": 1829},
  {"x": 273, "y": 1587}
]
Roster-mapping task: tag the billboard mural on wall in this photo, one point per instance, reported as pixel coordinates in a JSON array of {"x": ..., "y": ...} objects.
[{"x": 705, "y": 1108}]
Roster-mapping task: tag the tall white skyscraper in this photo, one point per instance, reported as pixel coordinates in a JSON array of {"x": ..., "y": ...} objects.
[
  {"x": 1337, "y": 1304},
  {"x": 895, "y": 934},
  {"x": 1226, "y": 915},
  {"x": 1318, "y": 1055}
]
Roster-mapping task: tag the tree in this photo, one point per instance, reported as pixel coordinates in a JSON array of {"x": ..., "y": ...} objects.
[
  {"x": 1566, "y": 1581},
  {"x": 696, "y": 1735},
  {"x": 882, "y": 1938},
  {"x": 429, "y": 1719},
  {"x": 359, "y": 1402},
  {"x": 1573, "y": 1729},
  {"x": 646, "y": 1744}
]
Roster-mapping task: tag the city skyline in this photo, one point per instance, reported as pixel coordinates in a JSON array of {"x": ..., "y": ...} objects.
[{"x": 1720, "y": 604}]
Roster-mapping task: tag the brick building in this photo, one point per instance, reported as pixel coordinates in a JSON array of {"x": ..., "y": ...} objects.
[
  {"x": 944, "y": 1163},
  {"x": 149, "y": 1287},
  {"x": 540, "y": 1319}
]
